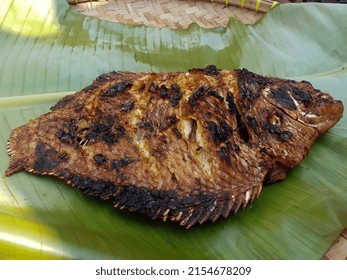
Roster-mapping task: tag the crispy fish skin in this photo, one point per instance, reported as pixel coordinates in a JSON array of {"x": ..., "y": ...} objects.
[{"x": 186, "y": 147}]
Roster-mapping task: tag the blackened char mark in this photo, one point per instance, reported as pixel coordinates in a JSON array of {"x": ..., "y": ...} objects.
[
  {"x": 113, "y": 137},
  {"x": 91, "y": 187},
  {"x": 167, "y": 122},
  {"x": 63, "y": 157},
  {"x": 231, "y": 104},
  {"x": 63, "y": 102},
  {"x": 46, "y": 158},
  {"x": 283, "y": 136},
  {"x": 164, "y": 92},
  {"x": 224, "y": 154},
  {"x": 103, "y": 125},
  {"x": 197, "y": 94},
  {"x": 103, "y": 78},
  {"x": 250, "y": 85},
  {"x": 167, "y": 204},
  {"x": 225, "y": 127},
  {"x": 175, "y": 99},
  {"x": 100, "y": 159},
  {"x": 219, "y": 133},
  {"x": 272, "y": 128},
  {"x": 116, "y": 164},
  {"x": 144, "y": 201},
  {"x": 252, "y": 123},
  {"x": 175, "y": 87},
  {"x": 91, "y": 88},
  {"x": 215, "y": 94},
  {"x": 108, "y": 136},
  {"x": 67, "y": 134},
  {"x": 211, "y": 70},
  {"x": 104, "y": 129},
  {"x": 152, "y": 203},
  {"x": 117, "y": 88},
  {"x": 241, "y": 128},
  {"x": 229, "y": 146},
  {"x": 173, "y": 93},
  {"x": 301, "y": 95},
  {"x": 282, "y": 97},
  {"x": 171, "y": 120}
]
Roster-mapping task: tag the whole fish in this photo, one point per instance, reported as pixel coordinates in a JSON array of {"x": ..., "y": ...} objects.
[{"x": 186, "y": 147}]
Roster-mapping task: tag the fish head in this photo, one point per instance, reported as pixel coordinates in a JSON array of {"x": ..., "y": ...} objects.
[
  {"x": 284, "y": 117},
  {"x": 304, "y": 103}
]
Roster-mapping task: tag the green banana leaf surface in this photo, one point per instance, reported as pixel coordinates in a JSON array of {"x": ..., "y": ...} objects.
[{"x": 48, "y": 49}]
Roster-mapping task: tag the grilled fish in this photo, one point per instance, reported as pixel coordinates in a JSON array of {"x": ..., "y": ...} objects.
[{"x": 186, "y": 147}]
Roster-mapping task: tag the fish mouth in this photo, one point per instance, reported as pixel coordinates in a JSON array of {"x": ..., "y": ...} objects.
[{"x": 325, "y": 117}]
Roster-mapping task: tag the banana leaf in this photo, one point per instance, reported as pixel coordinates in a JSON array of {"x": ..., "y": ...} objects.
[{"x": 48, "y": 49}]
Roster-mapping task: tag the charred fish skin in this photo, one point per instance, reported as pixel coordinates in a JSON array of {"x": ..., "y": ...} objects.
[{"x": 185, "y": 147}]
